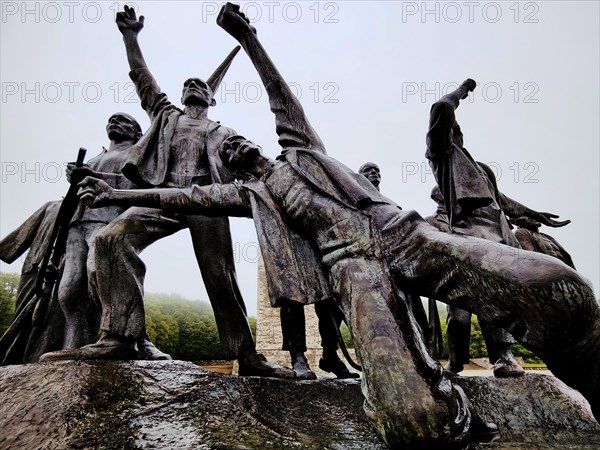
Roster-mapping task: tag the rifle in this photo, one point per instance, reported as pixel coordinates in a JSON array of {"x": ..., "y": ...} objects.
[
  {"x": 48, "y": 270},
  {"x": 19, "y": 343}
]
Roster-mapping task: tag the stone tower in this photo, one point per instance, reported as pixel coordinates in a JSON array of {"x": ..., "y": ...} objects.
[{"x": 268, "y": 328}]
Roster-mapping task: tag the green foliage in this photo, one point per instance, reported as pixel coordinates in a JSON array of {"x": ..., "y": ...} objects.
[
  {"x": 477, "y": 348},
  {"x": 348, "y": 339},
  {"x": 9, "y": 283},
  {"x": 252, "y": 323},
  {"x": 163, "y": 330},
  {"x": 527, "y": 355},
  {"x": 185, "y": 329}
]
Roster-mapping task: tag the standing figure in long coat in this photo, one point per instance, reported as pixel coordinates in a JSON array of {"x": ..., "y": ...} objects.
[{"x": 474, "y": 206}]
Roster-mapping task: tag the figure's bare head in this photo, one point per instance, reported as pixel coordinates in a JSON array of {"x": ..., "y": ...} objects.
[
  {"x": 122, "y": 127},
  {"x": 239, "y": 154},
  {"x": 371, "y": 172},
  {"x": 197, "y": 92}
]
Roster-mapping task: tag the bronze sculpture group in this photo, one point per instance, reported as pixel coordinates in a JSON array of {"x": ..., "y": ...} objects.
[{"x": 326, "y": 234}]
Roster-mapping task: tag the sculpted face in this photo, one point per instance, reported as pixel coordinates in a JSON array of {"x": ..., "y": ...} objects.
[
  {"x": 122, "y": 127},
  {"x": 239, "y": 154},
  {"x": 371, "y": 172},
  {"x": 196, "y": 92}
]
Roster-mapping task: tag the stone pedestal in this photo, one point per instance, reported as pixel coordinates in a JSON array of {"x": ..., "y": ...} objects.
[{"x": 142, "y": 405}]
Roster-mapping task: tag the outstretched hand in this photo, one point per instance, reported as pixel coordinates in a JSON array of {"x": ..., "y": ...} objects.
[
  {"x": 127, "y": 21},
  {"x": 94, "y": 192},
  {"x": 548, "y": 219},
  {"x": 232, "y": 20}
]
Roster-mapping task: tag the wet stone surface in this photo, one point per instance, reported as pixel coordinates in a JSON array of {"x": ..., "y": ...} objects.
[{"x": 177, "y": 405}]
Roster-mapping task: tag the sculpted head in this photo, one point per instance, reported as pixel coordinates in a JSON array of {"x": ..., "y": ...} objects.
[
  {"x": 197, "y": 92},
  {"x": 122, "y": 127},
  {"x": 371, "y": 172},
  {"x": 239, "y": 154}
]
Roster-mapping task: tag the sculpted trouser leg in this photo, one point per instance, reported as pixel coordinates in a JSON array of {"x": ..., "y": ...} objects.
[
  {"x": 406, "y": 395},
  {"x": 119, "y": 276},
  {"x": 82, "y": 312},
  {"x": 329, "y": 323},
  {"x": 497, "y": 341},
  {"x": 547, "y": 306},
  {"x": 293, "y": 326},
  {"x": 212, "y": 244},
  {"x": 459, "y": 336}
]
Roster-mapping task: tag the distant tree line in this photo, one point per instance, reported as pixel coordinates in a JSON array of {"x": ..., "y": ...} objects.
[
  {"x": 9, "y": 282},
  {"x": 186, "y": 329}
]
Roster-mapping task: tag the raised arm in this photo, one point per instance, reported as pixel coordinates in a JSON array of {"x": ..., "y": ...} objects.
[
  {"x": 292, "y": 126},
  {"x": 442, "y": 121},
  {"x": 151, "y": 97},
  {"x": 460, "y": 93},
  {"x": 130, "y": 26},
  {"x": 214, "y": 200},
  {"x": 514, "y": 209}
]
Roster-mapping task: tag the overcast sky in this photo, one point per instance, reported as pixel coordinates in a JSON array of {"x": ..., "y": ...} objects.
[{"x": 366, "y": 74}]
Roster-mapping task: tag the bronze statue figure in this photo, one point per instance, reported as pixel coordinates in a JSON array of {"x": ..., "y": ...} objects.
[
  {"x": 82, "y": 309},
  {"x": 293, "y": 328},
  {"x": 80, "y": 318},
  {"x": 178, "y": 150},
  {"x": 372, "y": 172},
  {"x": 20, "y": 344},
  {"x": 293, "y": 322},
  {"x": 307, "y": 203},
  {"x": 473, "y": 207},
  {"x": 458, "y": 320}
]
